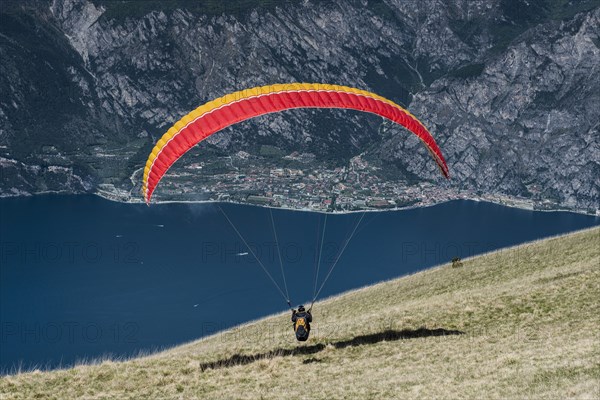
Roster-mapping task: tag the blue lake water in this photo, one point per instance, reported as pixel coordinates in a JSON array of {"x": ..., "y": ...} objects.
[{"x": 83, "y": 277}]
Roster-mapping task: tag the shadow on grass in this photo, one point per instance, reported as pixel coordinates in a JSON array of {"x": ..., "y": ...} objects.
[
  {"x": 387, "y": 335},
  {"x": 391, "y": 335}
]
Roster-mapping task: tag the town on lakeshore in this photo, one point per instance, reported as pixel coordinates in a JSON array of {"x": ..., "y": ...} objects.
[{"x": 297, "y": 181}]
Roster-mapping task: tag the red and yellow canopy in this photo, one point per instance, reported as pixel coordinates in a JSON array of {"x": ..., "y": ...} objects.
[{"x": 239, "y": 106}]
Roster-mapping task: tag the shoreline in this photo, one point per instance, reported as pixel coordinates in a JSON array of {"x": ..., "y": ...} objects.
[
  {"x": 107, "y": 196},
  {"x": 529, "y": 207}
]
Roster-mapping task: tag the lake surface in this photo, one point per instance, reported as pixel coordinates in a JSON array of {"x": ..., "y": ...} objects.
[{"x": 82, "y": 277}]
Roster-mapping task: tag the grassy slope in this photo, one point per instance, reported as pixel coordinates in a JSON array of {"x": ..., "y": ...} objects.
[{"x": 530, "y": 317}]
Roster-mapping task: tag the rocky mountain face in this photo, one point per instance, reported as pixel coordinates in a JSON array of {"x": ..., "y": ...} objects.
[{"x": 509, "y": 88}]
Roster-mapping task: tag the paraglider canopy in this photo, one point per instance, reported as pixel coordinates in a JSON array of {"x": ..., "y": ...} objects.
[{"x": 239, "y": 106}]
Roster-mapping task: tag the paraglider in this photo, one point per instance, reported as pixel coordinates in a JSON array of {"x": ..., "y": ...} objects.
[
  {"x": 232, "y": 108},
  {"x": 301, "y": 320}
]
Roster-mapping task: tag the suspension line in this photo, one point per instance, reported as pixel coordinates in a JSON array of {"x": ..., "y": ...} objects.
[
  {"x": 318, "y": 264},
  {"x": 287, "y": 294},
  {"x": 338, "y": 257},
  {"x": 287, "y": 300}
]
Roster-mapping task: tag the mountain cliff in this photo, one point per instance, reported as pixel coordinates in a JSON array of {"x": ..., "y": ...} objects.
[{"x": 510, "y": 89}]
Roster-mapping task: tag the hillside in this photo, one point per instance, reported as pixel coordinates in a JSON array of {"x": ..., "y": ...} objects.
[{"x": 517, "y": 323}]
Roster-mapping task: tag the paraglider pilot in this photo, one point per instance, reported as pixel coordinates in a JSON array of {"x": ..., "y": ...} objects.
[{"x": 301, "y": 320}]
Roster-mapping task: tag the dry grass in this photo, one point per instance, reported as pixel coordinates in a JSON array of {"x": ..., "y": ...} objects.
[{"x": 529, "y": 318}]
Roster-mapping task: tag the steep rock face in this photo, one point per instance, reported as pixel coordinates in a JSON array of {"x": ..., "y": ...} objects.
[
  {"x": 528, "y": 125},
  {"x": 516, "y": 113}
]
